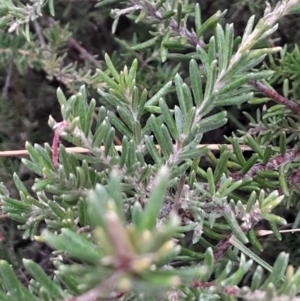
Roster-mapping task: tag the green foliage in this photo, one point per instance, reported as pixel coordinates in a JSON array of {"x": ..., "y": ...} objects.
[{"x": 150, "y": 222}]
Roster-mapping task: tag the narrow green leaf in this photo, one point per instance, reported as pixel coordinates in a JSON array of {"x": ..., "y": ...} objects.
[
  {"x": 97, "y": 203},
  {"x": 221, "y": 46},
  {"x": 39, "y": 275},
  {"x": 193, "y": 153},
  {"x": 254, "y": 241},
  {"x": 159, "y": 136},
  {"x": 81, "y": 106},
  {"x": 82, "y": 212},
  {"x": 145, "y": 44},
  {"x": 100, "y": 134},
  {"x": 267, "y": 154},
  {"x": 152, "y": 150},
  {"x": 229, "y": 37},
  {"x": 204, "y": 59},
  {"x": 209, "y": 264},
  {"x": 187, "y": 95},
  {"x": 145, "y": 173},
  {"x": 212, "y": 122},
  {"x": 101, "y": 116},
  {"x": 236, "y": 229},
  {"x": 168, "y": 118},
  {"x": 161, "y": 93},
  {"x": 257, "y": 278},
  {"x": 12, "y": 284},
  {"x": 167, "y": 139},
  {"x": 274, "y": 218},
  {"x": 64, "y": 159},
  {"x": 124, "y": 151},
  {"x": 283, "y": 181},
  {"x": 245, "y": 250},
  {"x": 35, "y": 157},
  {"x": 154, "y": 204},
  {"x": 179, "y": 120},
  {"x": 142, "y": 103},
  {"x": 20, "y": 186},
  {"x": 254, "y": 145},
  {"x": 179, "y": 90},
  {"x": 17, "y": 204},
  {"x": 137, "y": 214},
  {"x": 279, "y": 269},
  {"x": 179, "y": 12},
  {"x": 180, "y": 170},
  {"x": 212, "y": 74},
  {"x": 109, "y": 140},
  {"x": 233, "y": 101},
  {"x": 168, "y": 14},
  {"x": 246, "y": 167},
  {"x": 211, "y": 22},
  {"x": 126, "y": 116},
  {"x": 141, "y": 16},
  {"x": 231, "y": 188},
  {"x": 221, "y": 166},
  {"x": 189, "y": 120},
  {"x": 248, "y": 29},
  {"x": 211, "y": 182},
  {"x": 198, "y": 20},
  {"x": 137, "y": 131},
  {"x": 275, "y": 230},
  {"x": 89, "y": 117},
  {"x": 282, "y": 143},
  {"x": 57, "y": 210},
  {"x": 196, "y": 82},
  {"x": 119, "y": 125},
  {"x": 61, "y": 97},
  {"x": 69, "y": 282},
  {"x": 132, "y": 74},
  {"x": 112, "y": 68},
  {"x": 243, "y": 79},
  {"x": 135, "y": 99},
  {"x": 238, "y": 152},
  {"x": 103, "y": 76}
]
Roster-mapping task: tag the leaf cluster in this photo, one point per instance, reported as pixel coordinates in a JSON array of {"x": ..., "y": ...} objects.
[{"x": 150, "y": 221}]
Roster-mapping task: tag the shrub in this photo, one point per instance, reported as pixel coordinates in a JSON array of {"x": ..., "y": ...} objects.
[{"x": 147, "y": 220}]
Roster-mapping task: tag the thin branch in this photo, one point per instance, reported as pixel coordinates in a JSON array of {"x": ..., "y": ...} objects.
[
  {"x": 8, "y": 79},
  {"x": 177, "y": 200},
  {"x": 77, "y": 46},
  {"x": 59, "y": 127},
  {"x": 39, "y": 33},
  {"x": 78, "y": 150},
  {"x": 273, "y": 164},
  {"x": 295, "y": 108}
]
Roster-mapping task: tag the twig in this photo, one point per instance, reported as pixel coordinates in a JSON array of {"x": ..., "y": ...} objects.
[
  {"x": 275, "y": 96},
  {"x": 76, "y": 45},
  {"x": 222, "y": 247},
  {"x": 273, "y": 164},
  {"x": 24, "y": 152},
  {"x": 8, "y": 78},
  {"x": 39, "y": 33},
  {"x": 59, "y": 127},
  {"x": 177, "y": 202}
]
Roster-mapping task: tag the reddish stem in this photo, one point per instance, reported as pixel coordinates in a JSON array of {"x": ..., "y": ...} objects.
[
  {"x": 59, "y": 126},
  {"x": 275, "y": 96}
]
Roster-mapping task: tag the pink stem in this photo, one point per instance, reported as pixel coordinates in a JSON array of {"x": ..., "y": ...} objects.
[{"x": 59, "y": 126}]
